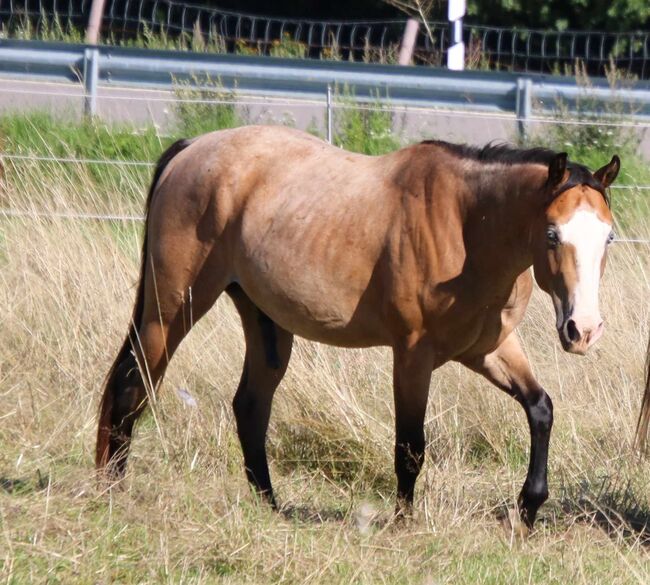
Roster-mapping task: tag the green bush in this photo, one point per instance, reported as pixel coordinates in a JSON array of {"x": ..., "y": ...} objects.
[
  {"x": 208, "y": 108},
  {"x": 365, "y": 128},
  {"x": 41, "y": 134}
]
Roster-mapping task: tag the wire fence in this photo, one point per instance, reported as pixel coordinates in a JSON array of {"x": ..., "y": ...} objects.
[
  {"x": 18, "y": 158},
  {"x": 488, "y": 47},
  {"x": 40, "y": 214},
  {"x": 8, "y": 156},
  {"x": 241, "y": 99}
]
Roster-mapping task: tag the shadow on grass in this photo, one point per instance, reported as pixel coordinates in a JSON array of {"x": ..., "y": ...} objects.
[
  {"x": 364, "y": 516},
  {"x": 19, "y": 486},
  {"x": 610, "y": 504},
  {"x": 308, "y": 514}
]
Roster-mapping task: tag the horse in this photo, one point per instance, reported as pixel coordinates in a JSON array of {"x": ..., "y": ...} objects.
[{"x": 425, "y": 250}]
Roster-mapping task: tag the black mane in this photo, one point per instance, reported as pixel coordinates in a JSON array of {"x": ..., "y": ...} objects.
[
  {"x": 497, "y": 153},
  {"x": 510, "y": 155}
]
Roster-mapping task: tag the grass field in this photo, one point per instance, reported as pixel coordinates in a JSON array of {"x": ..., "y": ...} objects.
[{"x": 185, "y": 513}]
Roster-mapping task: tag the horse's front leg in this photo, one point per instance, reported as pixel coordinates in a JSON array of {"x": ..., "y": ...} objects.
[
  {"x": 412, "y": 367},
  {"x": 509, "y": 370}
]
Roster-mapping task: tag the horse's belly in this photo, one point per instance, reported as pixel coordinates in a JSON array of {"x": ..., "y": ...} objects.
[
  {"x": 308, "y": 262},
  {"x": 317, "y": 309}
]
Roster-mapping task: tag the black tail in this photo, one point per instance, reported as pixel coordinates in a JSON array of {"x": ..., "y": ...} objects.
[
  {"x": 641, "y": 436},
  {"x": 106, "y": 404}
]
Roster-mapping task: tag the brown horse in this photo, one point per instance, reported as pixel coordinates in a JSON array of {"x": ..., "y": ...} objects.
[{"x": 426, "y": 250}]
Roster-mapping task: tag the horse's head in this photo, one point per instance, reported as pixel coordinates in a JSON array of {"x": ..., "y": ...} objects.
[{"x": 570, "y": 243}]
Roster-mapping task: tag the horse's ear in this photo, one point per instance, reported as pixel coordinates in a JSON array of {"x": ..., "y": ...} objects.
[
  {"x": 608, "y": 173},
  {"x": 556, "y": 169}
]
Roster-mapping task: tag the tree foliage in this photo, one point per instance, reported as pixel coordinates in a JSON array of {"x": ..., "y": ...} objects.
[{"x": 606, "y": 15}]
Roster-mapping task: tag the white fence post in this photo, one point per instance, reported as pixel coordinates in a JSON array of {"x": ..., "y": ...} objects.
[
  {"x": 91, "y": 77},
  {"x": 456, "y": 50},
  {"x": 524, "y": 105}
]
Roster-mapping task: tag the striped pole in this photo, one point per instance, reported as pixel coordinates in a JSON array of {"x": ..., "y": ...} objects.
[{"x": 456, "y": 50}]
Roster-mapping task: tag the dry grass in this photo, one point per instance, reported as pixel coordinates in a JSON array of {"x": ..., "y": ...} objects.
[{"x": 186, "y": 514}]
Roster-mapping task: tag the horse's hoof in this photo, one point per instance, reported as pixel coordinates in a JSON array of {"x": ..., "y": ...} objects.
[
  {"x": 403, "y": 514},
  {"x": 514, "y": 526}
]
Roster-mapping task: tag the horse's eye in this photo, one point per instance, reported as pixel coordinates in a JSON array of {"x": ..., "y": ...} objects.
[
  {"x": 611, "y": 237},
  {"x": 552, "y": 237}
]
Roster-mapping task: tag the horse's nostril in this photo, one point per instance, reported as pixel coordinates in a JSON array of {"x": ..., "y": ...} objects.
[{"x": 572, "y": 331}]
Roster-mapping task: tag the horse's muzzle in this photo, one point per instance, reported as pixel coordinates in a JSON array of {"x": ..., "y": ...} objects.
[{"x": 577, "y": 335}]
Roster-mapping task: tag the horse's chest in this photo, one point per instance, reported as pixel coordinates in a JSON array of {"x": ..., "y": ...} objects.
[{"x": 476, "y": 323}]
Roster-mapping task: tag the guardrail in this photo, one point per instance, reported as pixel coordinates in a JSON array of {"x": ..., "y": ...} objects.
[{"x": 96, "y": 66}]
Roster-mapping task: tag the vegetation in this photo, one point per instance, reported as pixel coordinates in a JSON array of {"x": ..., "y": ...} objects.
[
  {"x": 616, "y": 15},
  {"x": 185, "y": 513},
  {"x": 593, "y": 132},
  {"x": 366, "y": 128}
]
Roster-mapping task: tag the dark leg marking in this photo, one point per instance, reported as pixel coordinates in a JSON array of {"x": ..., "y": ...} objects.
[{"x": 270, "y": 338}]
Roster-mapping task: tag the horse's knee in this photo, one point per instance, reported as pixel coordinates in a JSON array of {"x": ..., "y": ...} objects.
[{"x": 540, "y": 414}]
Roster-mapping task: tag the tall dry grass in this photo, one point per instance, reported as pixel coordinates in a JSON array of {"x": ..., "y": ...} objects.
[{"x": 186, "y": 514}]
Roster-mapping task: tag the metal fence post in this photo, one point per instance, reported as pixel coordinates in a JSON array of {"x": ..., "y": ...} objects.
[
  {"x": 91, "y": 76},
  {"x": 524, "y": 106},
  {"x": 329, "y": 113}
]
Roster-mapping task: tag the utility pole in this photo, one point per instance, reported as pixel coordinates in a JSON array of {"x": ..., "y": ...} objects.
[
  {"x": 95, "y": 21},
  {"x": 456, "y": 51}
]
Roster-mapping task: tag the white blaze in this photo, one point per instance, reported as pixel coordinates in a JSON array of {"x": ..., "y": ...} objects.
[{"x": 588, "y": 235}]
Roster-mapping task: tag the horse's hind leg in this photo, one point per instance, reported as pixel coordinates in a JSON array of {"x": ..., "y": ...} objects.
[
  {"x": 178, "y": 290},
  {"x": 268, "y": 349}
]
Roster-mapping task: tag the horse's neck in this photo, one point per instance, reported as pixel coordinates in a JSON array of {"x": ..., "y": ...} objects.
[{"x": 502, "y": 202}]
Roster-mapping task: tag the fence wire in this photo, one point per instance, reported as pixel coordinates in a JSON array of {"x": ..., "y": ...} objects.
[
  {"x": 282, "y": 102},
  {"x": 488, "y": 47},
  {"x": 39, "y": 214},
  {"x": 240, "y": 99},
  {"x": 8, "y": 156}
]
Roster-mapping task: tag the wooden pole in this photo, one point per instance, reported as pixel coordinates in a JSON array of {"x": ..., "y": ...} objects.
[
  {"x": 408, "y": 42},
  {"x": 95, "y": 21}
]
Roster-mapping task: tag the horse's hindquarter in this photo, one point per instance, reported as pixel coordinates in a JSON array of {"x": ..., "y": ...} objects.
[{"x": 313, "y": 226}]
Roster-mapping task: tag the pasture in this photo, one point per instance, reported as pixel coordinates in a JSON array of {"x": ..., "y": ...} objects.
[{"x": 185, "y": 513}]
